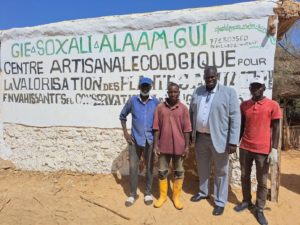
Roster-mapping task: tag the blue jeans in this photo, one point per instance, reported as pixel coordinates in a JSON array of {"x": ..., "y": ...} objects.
[{"x": 135, "y": 153}]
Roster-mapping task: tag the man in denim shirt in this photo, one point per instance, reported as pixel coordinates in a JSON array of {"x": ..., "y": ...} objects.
[{"x": 142, "y": 108}]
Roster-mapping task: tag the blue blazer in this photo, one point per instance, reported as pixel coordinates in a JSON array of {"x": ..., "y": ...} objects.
[{"x": 224, "y": 117}]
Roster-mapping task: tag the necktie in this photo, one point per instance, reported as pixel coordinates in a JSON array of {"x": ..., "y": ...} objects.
[{"x": 208, "y": 96}]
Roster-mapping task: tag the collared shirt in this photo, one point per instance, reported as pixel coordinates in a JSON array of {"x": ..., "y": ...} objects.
[
  {"x": 172, "y": 122},
  {"x": 207, "y": 97},
  {"x": 257, "y": 132},
  {"x": 142, "y": 118}
]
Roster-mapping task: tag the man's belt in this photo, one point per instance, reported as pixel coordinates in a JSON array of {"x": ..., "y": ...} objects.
[{"x": 202, "y": 133}]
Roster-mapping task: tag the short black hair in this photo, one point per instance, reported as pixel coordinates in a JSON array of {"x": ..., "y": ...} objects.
[
  {"x": 210, "y": 68},
  {"x": 172, "y": 84}
]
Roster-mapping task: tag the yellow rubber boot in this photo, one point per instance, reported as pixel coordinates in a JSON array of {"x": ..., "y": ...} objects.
[
  {"x": 177, "y": 187},
  {"x": 163, "y": 191}
]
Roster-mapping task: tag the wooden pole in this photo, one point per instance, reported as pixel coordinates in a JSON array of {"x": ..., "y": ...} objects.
[{"x": 275, "y": 170}]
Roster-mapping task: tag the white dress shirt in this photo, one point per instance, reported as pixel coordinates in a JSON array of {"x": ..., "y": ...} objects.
[{"x": 202, "y": 125}]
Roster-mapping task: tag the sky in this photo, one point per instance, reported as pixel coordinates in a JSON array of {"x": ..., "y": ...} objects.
[
  {"x": 23, "y": 13},
  {"x": 291, "y": 40}
]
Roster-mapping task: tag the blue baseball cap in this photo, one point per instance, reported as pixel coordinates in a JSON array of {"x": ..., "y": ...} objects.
[{"x": 145, "y": 80}]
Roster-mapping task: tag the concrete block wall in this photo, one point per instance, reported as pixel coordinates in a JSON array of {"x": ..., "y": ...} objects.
[{"x": 89, "y": 150}]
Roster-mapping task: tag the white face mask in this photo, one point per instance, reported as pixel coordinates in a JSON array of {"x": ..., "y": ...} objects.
[{"x": 144, "y": 94}]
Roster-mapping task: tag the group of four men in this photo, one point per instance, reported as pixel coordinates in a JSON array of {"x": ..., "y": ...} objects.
[{"x": 218, "y": 124}]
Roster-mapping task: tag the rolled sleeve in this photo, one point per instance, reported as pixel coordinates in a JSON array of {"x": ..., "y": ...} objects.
[{"x": 125, "y": 111}]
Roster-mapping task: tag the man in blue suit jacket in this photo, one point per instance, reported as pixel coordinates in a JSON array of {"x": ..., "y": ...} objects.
[{"x": 215, "y": 116}]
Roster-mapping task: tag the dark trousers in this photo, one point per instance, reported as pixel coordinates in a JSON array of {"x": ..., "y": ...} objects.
[
  {"x": 262, "y": 168},
  {"x": 163, "y": 166},
  {"x": 135, "y": 153}
]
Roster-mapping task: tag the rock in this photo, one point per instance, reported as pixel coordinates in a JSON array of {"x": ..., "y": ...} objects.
[{"x": 6, "y": 164}]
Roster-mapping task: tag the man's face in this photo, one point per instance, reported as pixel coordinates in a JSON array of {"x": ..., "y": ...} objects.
[
  {"x": 257, "y": 90},
  {"x": 210, "y": 78},
  {"x": 145, "y": 88},
  {"x": 173, "y": 93}
]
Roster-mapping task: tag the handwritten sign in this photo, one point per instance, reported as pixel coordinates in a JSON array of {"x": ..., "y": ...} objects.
[{"x": 85, "y": 80}]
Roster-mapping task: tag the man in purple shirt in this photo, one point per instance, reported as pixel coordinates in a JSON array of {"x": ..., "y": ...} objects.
[
  {"x": 142, "y": 108},
  {"x": 172, "y": 129}
]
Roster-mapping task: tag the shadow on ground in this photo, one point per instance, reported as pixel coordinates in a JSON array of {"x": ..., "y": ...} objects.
[{"x": 290, "y": 182}]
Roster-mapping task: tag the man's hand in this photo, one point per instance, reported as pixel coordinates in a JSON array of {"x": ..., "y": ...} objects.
[
  {"x": 273, "y": 156},
  {"x": 231, "y": 148},
  {"x": 129, "y": 138},
  {"x": 185, "y": 155},
  {"x": 156, "y": 150},
  {"x": 191, "y": 140}
]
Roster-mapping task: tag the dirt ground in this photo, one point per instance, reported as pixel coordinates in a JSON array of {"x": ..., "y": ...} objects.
[{"x": 61, "y": 198}]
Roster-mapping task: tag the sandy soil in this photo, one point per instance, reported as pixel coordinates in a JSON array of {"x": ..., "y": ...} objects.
[{"x": 58, "y": 198}]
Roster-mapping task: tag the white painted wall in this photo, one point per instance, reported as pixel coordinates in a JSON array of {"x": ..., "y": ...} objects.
[{"x": 86, "y": 149}]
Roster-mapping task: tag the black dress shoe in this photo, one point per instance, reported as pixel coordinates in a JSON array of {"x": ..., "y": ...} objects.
[
  {"x": 197, "y": 197},
  {"x": 242, "y": 206},
  {"x": 218, "y": 211},
  {"x": 261, "y": 219}
]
